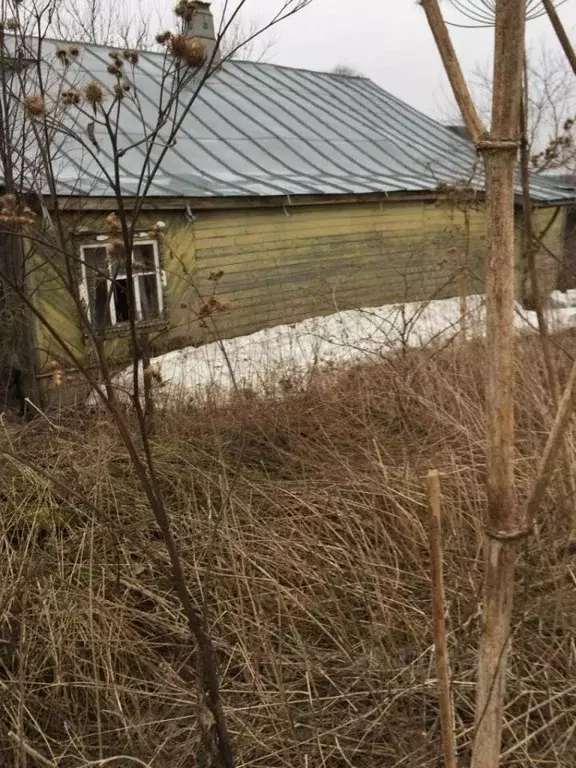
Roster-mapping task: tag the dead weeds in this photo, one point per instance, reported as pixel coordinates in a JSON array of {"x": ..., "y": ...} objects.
[{"x": 302, "y": 525}]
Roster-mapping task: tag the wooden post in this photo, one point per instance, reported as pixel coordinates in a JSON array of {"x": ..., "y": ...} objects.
[
  {"x": 438, "y": 602},
  {"x": 463, "y": 284}
]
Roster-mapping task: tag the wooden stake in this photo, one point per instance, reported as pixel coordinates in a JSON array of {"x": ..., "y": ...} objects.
[
  {"x": 463, "y": 281},
  {"x": 438, "y": 602}
]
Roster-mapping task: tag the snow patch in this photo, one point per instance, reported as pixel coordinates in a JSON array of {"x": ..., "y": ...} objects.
[{"x": 276, "y": 358}]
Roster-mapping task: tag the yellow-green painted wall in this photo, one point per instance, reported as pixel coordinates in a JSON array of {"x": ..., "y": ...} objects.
[
  {"x": 281, "y": 265},
  {"x": 552, "y": 221}
]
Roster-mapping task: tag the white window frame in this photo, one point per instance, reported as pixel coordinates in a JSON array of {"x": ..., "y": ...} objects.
[{"x": 114, "y": 322}]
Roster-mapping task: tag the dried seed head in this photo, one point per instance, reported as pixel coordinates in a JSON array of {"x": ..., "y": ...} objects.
[
  {"x": 119, "y": 92},
  {"x": 189, "y": 49},
  {"x": 71, "y": 97},
  {"x": 197, "y": 52},
  {"x": 74, "y": 51},
  {"x": 62, "y": 53},
  {"x": 35, "y": 105},
  {"x": 131, "y": 55},
  {"x": 8, "y": 201},
  {"x": 113, "y": 222},
  {"x": 163, "y": 37},
  {"x": 94, "y": 92},
  {"x": 178, "y": 46},
  {"x": 11, "y": 24},
  {"x": 13, "y": 213},
  {"x": 185, "y": 9},
  {"x": 115, "y": 247},
  {"x": 56, "y": 373},
  {"x": 115, "y": 56},
  {"x": 212, "y": 306}
]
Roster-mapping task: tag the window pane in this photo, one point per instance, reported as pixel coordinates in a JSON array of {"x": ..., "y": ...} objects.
[
  {"x": 98, "y": 286},
  {"x": 120, "y": 294},
  {"x": 149, "y": 297},
  {"x": 100, "y": 304},
  {"x": 144, "y": 257},
  {"x": 95, "y": 259}
]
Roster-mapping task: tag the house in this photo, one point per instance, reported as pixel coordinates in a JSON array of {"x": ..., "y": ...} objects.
[{"x": 286, "y": 193}]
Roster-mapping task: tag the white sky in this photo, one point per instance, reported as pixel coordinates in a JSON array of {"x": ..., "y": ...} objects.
[{"x": 388, "y": 41}]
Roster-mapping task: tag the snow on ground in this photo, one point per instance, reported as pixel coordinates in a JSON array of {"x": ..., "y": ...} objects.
[{"x": 276, "y": 358}]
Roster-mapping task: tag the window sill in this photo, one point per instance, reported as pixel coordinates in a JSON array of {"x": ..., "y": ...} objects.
[{"x": 123, "y": 329}]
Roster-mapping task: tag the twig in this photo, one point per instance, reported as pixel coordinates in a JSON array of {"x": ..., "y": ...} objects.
[{"x": 438, "y": 602}]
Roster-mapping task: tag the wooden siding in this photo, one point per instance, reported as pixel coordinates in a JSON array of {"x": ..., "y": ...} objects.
[
  {"x": 281, "y": 266},
  {"x": 552, "y": 221},
  {"x": 284, "y": 264}
]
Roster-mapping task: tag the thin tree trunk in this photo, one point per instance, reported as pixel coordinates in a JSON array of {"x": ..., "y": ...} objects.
[{"x": 505, "y": 521}]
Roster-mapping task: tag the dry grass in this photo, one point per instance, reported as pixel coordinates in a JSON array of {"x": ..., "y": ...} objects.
[{"x": 303, "y": 524}]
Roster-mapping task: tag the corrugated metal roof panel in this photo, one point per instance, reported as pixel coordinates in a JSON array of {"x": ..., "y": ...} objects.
[{"x": 260, "y": 129}]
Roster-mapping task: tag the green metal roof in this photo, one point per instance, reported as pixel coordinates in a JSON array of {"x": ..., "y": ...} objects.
[{"x": 259, "y": 129}]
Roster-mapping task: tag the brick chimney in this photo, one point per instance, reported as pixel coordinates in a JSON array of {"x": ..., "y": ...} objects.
[{"x": 201, "y": 25}]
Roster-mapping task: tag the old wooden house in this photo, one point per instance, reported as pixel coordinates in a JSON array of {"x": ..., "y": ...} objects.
[{"x": 287, "y": 193}]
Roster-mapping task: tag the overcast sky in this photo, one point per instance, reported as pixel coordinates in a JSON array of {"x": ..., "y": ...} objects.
[{"x": 388, "y": 41}]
